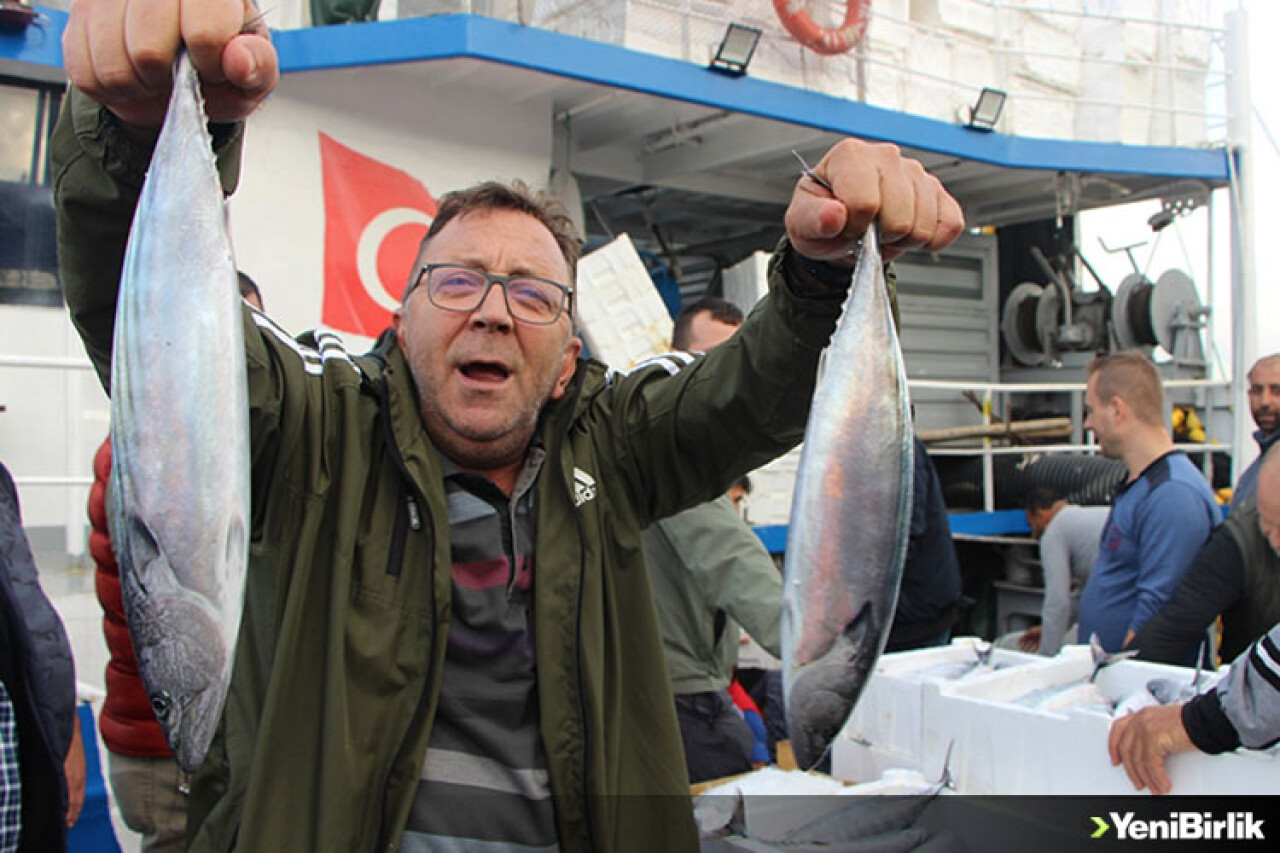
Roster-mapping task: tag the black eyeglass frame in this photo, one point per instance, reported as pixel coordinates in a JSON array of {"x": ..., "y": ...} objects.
[{"x": 493, "y": 278}]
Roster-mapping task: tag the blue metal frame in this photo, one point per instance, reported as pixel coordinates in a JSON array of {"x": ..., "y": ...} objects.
[
  {"x": 1002, "y": 522},
  {"x": 486, "y": 39}
]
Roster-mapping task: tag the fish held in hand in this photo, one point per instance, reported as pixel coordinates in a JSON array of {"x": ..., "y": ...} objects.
[
  {"x": 850, "y": 517},
  {"x": 179, "y": 507}
]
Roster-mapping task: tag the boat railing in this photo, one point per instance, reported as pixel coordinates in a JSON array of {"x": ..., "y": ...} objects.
[
  {"x": 1069, "y": 73},
  {"x": 992, "y": 394}
]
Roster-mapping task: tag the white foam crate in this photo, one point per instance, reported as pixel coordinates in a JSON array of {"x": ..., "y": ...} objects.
[
  {"x": 1002, "y": 748},
  {"x": 886, "y": 727},
  {"x": 773, "y": 489},
  {"x": 973, "y": 18},
  {"x": 746, "y": 282},
  {"x": 620, "y": 314}
]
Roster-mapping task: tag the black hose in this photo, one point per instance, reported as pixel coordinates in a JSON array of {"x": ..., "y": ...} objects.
[{"x": 1083, "y": 480}]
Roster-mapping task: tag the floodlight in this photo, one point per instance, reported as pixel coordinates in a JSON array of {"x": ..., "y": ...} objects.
[
  {"x": 735, "y": 50},
  {"x": 986, "y": 112}
]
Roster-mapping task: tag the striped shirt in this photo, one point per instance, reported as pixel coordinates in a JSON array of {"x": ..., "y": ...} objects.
[
  {"x": 10, "y": 778},
  {"x": 484, "y": 786}
]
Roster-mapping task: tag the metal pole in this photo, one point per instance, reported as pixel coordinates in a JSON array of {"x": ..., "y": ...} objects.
[
  {"x": 1244, "y": 322},
  {"x": 988, "y": 461}
]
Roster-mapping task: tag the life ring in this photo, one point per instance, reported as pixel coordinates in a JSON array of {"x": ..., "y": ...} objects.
[{"x": 795, "y": 18}]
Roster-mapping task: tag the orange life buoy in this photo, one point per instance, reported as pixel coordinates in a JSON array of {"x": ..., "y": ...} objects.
[{"x": 796, "y": 19}]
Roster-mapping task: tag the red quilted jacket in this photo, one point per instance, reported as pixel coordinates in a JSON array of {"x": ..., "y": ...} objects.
[{"x": 127, "y": 724}]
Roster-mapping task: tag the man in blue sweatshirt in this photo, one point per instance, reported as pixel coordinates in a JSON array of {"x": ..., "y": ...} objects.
[{"x": 1161, "y": 514}]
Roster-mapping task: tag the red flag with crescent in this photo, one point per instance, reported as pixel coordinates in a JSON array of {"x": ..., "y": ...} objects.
[{"x": 374, "y": 219}]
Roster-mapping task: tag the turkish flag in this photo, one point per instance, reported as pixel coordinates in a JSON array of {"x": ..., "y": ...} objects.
[{"x": 375, "y": 217}]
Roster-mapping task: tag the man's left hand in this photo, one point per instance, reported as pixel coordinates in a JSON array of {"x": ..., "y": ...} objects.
[{"x": 1142, "y": 741}]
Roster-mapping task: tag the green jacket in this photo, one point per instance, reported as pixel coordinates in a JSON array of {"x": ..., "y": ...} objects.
[
  {"x": 1254, "y": 613},
  {"x": 707, "y": 565},
  {"x": 340, "y": 657}
]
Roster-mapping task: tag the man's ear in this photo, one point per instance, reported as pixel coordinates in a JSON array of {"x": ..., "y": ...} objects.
[
  {"x": 1122, "y": 411},
  {"x": 568, "y": 364}
]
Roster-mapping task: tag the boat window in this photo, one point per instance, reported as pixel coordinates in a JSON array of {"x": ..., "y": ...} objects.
[{"x": 28, "y": 253}]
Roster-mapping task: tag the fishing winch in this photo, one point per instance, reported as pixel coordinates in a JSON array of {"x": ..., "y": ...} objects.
[
  {"x": 1167, "y": 313},
  {"x": 1039, "y": 322}
]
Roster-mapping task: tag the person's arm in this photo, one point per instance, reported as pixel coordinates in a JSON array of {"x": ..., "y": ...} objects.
[
  {"x": 103, "y": 139},
  {"x": 1173, "y": 527},
  {"x": 1213, "y": 583},
  {"x": 74, "y": 768},
  {"x": 730, "y": 567},
  {"x": 1244, "y": 708},
  {"x": 1055, "y": 612},
  {"x": 682, "y": 439}
]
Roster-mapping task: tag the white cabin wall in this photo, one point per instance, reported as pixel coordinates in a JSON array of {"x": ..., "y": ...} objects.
[{"x": 38, "y": 439}]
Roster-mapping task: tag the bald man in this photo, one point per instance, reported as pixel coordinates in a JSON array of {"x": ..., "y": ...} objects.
[{"x": 1264, "y": 405}]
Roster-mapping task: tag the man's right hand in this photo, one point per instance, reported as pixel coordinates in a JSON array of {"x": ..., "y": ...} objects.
[
  {"x": 121, "y": 54},
  {"x": 1029, "y": 642}
]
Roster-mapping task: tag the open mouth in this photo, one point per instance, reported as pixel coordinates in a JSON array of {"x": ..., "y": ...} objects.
[{"x": 485, "y": 371}]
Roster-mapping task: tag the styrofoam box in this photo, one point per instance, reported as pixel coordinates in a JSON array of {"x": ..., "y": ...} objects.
[
  {"x": 971, "y": 17},
  {"x": 620, "y": 314},
  {"x": 746, "y": 282},
  {"x": 1002, "y": 748},
  {"x": 773, "y": 489},
  {"x": 1037, "y": 110},
  {"x": 886, "y": 727},
  {"x": 1046, "y": 53}
]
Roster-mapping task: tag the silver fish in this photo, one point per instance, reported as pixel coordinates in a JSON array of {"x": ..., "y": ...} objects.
[
  {"x": 1169, "y": 692},
  {"x": 1103, "y": 658},
  {"x": 850, "y": 517},
  {"x": 180, "y": 433}
]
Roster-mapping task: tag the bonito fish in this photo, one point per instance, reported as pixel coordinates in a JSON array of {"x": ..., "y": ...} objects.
[
  {"x": 850, "y": 517},
  {"x": 180, "y": 433}
]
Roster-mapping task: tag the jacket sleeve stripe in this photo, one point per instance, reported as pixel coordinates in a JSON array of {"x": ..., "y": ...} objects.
[
  {"x": 312, "y": 361},
  {"x": 1264, "y": 659},
  {"x": 672, "y": 362}
]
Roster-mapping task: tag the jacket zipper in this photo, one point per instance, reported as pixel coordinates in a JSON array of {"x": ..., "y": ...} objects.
[
  {"x": 577, "y": 660},
  {"x": 411, "y": 509},
  {"x": 582, "y": 699},
  {"x": 408, "y": 517}
]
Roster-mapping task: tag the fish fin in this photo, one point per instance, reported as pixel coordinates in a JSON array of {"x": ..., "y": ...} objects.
[
  {"x": 946, "y": 780},
  {"x": 984, "y": 654},
  {"x": 141, "y": 551},
  {"x": 823, "y": 695},
  {"x": 236, "y": 541}
]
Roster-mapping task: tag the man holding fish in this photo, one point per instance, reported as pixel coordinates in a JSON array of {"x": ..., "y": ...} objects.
[{"x": 422, "y": 513}]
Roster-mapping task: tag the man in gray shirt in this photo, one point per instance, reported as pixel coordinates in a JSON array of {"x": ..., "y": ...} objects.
[
  {"x": 1069, "y": 537},
  {"x": 710, "y": 571}
]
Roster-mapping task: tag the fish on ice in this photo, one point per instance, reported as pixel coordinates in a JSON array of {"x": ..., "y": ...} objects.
[
  {"x": 179, "y": 506},
  {"x": 850, "y": 517}
]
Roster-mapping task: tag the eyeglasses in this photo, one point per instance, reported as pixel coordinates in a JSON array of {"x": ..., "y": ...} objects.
[{"x": 532, "y": 300}]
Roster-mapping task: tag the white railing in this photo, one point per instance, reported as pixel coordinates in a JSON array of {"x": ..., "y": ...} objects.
[
  {"x": 1037, "y": 52},
  {"x": 988, "y": 450},
  {"x": 1070, "y": 73}
]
